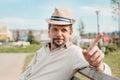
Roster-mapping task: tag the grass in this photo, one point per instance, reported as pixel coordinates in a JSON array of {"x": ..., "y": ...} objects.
[
  {"x": 27, "y": 61},
  {"x": 112, "y": 59},
  {"x": 28, "y": 49}
]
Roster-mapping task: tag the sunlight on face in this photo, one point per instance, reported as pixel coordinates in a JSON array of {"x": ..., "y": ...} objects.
[{"x": 59, "y": 34}]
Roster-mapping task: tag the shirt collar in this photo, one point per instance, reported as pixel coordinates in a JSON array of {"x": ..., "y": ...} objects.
[{"x": 67, "y": 44}]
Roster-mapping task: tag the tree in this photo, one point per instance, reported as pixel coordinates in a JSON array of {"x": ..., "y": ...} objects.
[
  {"x": 81, "y": 28},
  {"x": 116, "y": 12},
  {"x": 31, "y": 38},
  {"x": 116, "y": 9},
  {"x": 17, "y": 35}
]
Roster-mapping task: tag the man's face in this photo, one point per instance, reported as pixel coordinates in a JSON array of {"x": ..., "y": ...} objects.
[{"x": 59, "y": 34}]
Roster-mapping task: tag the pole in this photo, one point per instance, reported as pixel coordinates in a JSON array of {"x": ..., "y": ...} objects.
[
  {"x": 97, "y": 12},
  {"x": 98, "y": 26}
]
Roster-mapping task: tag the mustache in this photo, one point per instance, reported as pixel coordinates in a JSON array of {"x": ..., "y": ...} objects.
[{"x": 58, "y": 39}]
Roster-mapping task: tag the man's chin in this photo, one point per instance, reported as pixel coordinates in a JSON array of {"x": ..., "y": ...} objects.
[{"x": 58, "y": 44}]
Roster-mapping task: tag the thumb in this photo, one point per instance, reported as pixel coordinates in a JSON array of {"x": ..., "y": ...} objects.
[{"x": 84, "y": 51}]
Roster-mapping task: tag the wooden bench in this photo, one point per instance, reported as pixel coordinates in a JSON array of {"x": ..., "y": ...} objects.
[{"x": 92, "y": 74}]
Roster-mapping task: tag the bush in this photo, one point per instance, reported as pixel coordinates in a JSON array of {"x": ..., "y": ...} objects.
[
  {"x": 107, "y": 51},
  {"x": 84, "y": 46},
  {"x": 111, "y": 48}
]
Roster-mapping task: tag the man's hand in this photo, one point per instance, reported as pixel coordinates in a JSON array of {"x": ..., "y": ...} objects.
[{"x": 94, "y": 55}]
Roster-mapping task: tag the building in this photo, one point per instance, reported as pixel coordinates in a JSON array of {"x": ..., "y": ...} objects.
[
  {"x": 40, "y": 35},
  {"x": 5, "y": 34}
]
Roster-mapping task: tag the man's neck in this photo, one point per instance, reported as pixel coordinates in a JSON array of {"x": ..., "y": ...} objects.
[{"x": 53, "y": 47}]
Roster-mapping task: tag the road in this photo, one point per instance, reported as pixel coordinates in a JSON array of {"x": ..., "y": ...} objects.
[{"x": 11, "y": 65}]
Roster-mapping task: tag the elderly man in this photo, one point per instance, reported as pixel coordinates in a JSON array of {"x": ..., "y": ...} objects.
[{"x": 60, "y": 58}]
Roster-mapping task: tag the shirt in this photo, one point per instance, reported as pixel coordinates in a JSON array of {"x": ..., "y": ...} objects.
[{"x": 59, "y": 64}]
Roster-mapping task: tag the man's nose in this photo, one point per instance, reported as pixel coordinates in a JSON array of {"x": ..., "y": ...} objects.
[{"x": 59, "y": 33}]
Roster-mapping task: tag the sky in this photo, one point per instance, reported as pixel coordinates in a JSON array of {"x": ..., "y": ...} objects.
[{"x": 31, "y": 14}]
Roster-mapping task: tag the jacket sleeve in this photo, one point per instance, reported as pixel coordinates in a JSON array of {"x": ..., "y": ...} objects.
[{"x": 107, "y": 69}]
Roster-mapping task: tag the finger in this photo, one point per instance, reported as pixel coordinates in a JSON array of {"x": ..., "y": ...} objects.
[
  {"x": 93, "y": 50},
  {"x": 84, "y": 52},
  {"x": 86, "y": 55},
  {"x": 98, "y": 60},
  {"x": 95, "y": 56},
  {"x": 97, "y": 39}
]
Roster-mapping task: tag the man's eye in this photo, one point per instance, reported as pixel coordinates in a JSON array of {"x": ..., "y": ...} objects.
[
  {"x": 54, "y": 29},
  {"x": 64, "y": 30}
]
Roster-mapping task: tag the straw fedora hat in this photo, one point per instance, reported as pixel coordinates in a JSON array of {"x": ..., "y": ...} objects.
[{"x": 61, "y": 16}]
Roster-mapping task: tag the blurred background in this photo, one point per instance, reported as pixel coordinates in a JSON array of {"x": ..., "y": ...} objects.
[{"x": 23, "y": 30}]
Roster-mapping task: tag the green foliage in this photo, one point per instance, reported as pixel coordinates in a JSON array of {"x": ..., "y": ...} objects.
[
  {"x": 111, "y": 48},
  {"x": 17, "y": 35},
  {"x": 84, "y": 46},
  {"x": 81, "y": 28},
  {"x": 107, "y": 52},
  {"x": 115, "y": 1},
  {"x": 113, "y": 60},
  {"x": 27, "y": 61},
  {"x": 31, "y": 37},
  {"x": 28, "y": 49}
]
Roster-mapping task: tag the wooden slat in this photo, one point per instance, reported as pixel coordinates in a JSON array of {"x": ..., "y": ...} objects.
[{"x": 91, "y": 73}]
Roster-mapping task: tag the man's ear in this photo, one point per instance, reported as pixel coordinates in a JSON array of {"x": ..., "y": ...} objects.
[
  {"x": 71, "y": 32},
  {"x": 49, "y": 33}
]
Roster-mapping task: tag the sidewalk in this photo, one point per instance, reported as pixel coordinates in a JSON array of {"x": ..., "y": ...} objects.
[{"x": 11, "y": 65}]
